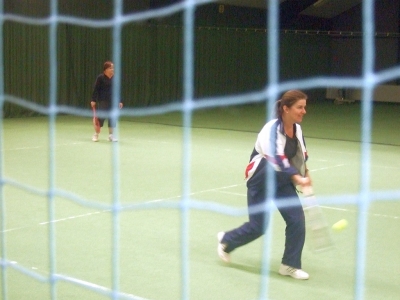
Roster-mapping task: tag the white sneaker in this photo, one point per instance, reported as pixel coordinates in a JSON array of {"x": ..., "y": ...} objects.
[
  {"x": 95, "y": 137},
  {"x": 293, "y": 272},
  {"x": 111, "y": 138},
  {"x": 221, "y": 248}
]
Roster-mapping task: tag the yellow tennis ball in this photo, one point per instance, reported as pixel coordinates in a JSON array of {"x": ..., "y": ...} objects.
[{"x": 340, "y": 225}]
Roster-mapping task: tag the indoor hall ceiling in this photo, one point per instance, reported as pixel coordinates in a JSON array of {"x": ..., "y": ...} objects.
[
  {"x": 315, "y": 8},
  {"x": 248, "y": 3}
]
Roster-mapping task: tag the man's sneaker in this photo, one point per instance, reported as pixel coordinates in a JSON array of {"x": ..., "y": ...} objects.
[
  {"x": 111, "y": 138},
  {"x": 293, "y": 272},
  {"x": 221, "y": 248},
  {"x": 95, "y": 137}
]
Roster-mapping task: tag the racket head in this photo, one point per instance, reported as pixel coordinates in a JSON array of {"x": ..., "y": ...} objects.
[{"x": 315, "y": 222}]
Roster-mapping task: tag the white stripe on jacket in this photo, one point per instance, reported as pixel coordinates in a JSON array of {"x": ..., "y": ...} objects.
[{"x": 270, "y": 145}]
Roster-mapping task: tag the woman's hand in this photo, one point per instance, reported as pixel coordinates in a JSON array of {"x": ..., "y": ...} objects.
[{"x": 300, "y": 180}]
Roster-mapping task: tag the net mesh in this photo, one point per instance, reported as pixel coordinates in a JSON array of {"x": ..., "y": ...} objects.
[{"x": 188, "y": 106}]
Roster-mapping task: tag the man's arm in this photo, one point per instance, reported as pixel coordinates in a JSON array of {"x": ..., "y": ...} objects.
[{"x": 95, "y": 93}]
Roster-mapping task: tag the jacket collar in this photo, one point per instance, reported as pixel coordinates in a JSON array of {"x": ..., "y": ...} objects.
[{"x": 282, "y": 128}]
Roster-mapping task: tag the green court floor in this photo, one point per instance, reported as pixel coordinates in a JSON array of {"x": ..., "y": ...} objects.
[{"x": 149, "y": 246}]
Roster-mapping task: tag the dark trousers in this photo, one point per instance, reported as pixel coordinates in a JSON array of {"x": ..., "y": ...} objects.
[
  {"x": 293, "y": 215},
  {"x": 105, "y": 106}
]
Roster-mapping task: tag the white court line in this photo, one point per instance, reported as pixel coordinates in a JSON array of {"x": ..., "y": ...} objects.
[
  {"x": 58, "y": 220},
  {"x": 98, "y": 287},
  {"x": 130, "y": 296},
  {"x": 386, "y": 167},
  {"x": 354, "y": 211},
  {"x": 74, "y": 217},
  {"x": 220, "y": 189},
  {"x": 199, "y": 192},
  {"x": 87, "y": 284},
  {"x": 325, "y": 168},
  {"x": 39, "y": 147},
  {"x": 217, "y": 189},
  {"x": 333, "y": 208},
  {"x": 24, "y": 148},
  {"x": 235, "y": 194},
  {"x": 16, "y": 228},
  {"x": 107, "y": 210}
]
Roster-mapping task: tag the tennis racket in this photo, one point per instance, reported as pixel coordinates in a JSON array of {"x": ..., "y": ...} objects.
[
  {"x": 315, "y": 222},
  {"x": 96, "y": 123}
]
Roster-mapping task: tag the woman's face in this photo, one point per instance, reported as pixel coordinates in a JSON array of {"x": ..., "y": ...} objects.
[{"x": 295, "y": 113}]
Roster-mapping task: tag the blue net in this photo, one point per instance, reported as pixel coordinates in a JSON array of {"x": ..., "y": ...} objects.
[{"x": 189, "y": 104}]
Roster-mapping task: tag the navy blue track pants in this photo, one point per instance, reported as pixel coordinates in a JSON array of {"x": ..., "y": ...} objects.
[{"x": 255, "y": 227}]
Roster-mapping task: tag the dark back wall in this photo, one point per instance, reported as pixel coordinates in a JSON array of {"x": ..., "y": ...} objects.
[
  {"x": 228, "y": 59},
  {"x": 347, "y": 51}
]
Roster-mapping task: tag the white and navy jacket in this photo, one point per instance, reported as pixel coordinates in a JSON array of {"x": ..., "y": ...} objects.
[{"x": 270, "y": 145}]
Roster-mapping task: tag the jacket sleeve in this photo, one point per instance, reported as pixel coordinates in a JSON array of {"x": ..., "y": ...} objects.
[
  {"x": 96, "y": 88},
  {"x": 272, "y": 144}
]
